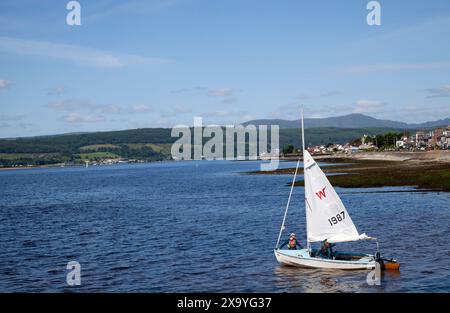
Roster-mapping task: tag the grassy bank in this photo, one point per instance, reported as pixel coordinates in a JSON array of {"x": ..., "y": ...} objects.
[{"x": 367, "y": 173}]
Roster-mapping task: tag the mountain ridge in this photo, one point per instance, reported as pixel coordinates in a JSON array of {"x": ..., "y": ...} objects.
[
  {"x": 354, "y": 120},
  {"x": 349, "y": 121}
]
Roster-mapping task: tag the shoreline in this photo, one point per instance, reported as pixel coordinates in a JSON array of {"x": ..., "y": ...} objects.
[
  {"x": 72, "y": 166},
  {"x": 434, "y": 155},
  {"x": 424, "y": 171}
]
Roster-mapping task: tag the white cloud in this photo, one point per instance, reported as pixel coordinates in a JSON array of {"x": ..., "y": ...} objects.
[
  {"x": 4, "y": 83},
  {"x": 225, "y": 113},
  {"x": 388, "y": 67},
  {"x": 329, "y": 93},
  {"x": 368, "y": 106},
  {"x": 85, "y": 111},
  {"x": 77, "y": 118},
  {"x": 230, "y": 100},
  {"x": 301, "y": 97},
  {"x": 419, "y": 113},
  {"x": 142, "y": 108},
  {"x": 108, "y": 10},
  {"x": 227, "y": 94},
  {"x": 288, "y": 111},
  {"x": 56, "y": 91},
  {"x": 181, "y": 90},
  {"x": 8, "y": 117},
  {"x": 77, "y": 54},
  {"x": 85, "y": 105},
  {"x": 441, "y": 92},
  {"x": 228, "y": 117},
  {"x": 174, "y": 111},
  {"x": 110, "y": 109},
  {"x": 292, "y": 111},
  {"x": 221, "y": 92},
  {"x": 71, "y": 104}
]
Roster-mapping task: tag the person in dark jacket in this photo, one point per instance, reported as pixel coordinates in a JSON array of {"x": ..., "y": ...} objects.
[{"x": 326, "y": 251}]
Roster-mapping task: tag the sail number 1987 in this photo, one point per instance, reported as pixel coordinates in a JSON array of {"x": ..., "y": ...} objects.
[{"x": 336, "y": 219}]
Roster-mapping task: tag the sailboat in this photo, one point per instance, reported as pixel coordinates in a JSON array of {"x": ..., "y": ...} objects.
[{"x": 327, "y": 220}]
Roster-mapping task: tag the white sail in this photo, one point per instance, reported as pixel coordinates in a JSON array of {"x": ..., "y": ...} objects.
[{"x": 326, "y": 215}]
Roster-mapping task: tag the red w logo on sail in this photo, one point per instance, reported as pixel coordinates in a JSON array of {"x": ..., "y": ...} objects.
[{"x": 321, "y": 193}]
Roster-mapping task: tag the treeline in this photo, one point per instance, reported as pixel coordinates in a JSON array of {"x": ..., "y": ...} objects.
[
  {"x": 125, "y": 151},
  {"x": 70, "y": 143},
  {"x": 382, "y": 141},
  {"x": 34, "y": 160},
  {"x": 131, "y": 144},
  {"x": 47, "y": 150},
  {"x": 388, "y": 140}
]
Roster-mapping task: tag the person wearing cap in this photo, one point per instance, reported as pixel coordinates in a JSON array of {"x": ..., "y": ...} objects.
[{"x": 292, "y": 242}]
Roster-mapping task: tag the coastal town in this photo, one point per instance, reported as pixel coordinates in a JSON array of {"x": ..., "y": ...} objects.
[
  {"x": 435, "y": 139},
  {"x": 419, "y": 160}
]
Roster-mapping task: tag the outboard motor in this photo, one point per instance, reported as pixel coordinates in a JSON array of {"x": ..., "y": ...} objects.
[{"x": 379, "y": 260}]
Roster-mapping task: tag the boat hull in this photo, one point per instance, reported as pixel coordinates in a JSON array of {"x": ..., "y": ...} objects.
[{"x": 301, "y": 258}]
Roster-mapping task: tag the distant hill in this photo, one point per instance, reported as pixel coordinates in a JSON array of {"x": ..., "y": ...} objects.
[
  {"x": 149, "y": 144},
  {"x": 443, "y": 122},
  {"x": 324, "y": 135},
  {"x": 348, "y": 121},
  {"x": 153, "y": 144}
]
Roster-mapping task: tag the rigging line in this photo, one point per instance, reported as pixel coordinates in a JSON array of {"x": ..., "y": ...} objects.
[{"x": 287, "y": 205}]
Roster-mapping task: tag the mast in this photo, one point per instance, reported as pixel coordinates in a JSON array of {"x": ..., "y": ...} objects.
[
  {"x": 308, "y": 245},
  {"x": 303, "y": 134},
  {"x": 292, "y": 189}
]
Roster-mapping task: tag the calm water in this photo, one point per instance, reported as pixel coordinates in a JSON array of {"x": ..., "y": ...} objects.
[{"x": 199, "y": 226}]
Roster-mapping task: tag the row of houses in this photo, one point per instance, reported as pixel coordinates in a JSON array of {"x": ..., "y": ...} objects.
[
  {"x": 438, "y": 138},
  {"x": 331, "y": 148}
]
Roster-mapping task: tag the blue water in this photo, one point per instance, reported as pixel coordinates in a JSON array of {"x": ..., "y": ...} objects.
[{"x": 200, "y": 226}]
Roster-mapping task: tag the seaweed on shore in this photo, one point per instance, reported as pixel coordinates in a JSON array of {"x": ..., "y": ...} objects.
[{"x": 365, "y": 174}]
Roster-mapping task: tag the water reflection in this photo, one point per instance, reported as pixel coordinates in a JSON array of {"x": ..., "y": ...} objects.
[{"x": 296, "y": 279}]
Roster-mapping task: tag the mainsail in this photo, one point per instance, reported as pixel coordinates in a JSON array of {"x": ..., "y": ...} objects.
[{"x": 326, "y": 216}]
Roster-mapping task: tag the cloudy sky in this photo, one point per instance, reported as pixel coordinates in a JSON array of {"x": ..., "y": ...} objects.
[{"x": 145, "y": 63}]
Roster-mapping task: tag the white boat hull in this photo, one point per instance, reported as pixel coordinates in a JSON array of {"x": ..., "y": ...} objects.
[{"x": 302, "y": 258}]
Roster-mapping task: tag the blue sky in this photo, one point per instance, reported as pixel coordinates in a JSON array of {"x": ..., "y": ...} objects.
[{"x": 142, "y": 63}]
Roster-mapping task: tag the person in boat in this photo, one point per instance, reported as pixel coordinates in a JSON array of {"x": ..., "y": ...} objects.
[
  {"x": 292, "y": 243},
  {"x": 326, "y": 251}
]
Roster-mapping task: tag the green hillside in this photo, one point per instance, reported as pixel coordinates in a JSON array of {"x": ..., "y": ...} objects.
[
  {"x": 325, "y": 135},
  {"x": 149, "y": 144}
]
